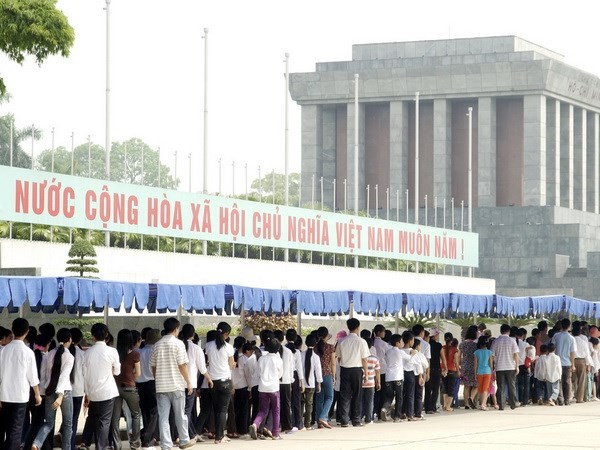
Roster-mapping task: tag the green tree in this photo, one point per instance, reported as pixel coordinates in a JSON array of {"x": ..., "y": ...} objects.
[
  {"x": 33, "y": 27},
  {"x": 129, "y": 170},
  {"x": 263, "y": 187},
  {"x": 21, "y": 158},
  {"x": 89, "y": 160},
  {"x": 80, "y": 252}
]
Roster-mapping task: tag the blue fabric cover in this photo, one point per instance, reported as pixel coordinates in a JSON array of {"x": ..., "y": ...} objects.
[
  {"x": 214, "y": 295},
  {"x": 34, "y": 292},
  {"x": 5, "y": 295},
  {"x": 168, "y": 297},
  {"x": 142, "y": 295},
  {"x": 18, "y": 290}
]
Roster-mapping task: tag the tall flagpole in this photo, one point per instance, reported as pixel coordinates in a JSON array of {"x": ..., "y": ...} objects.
[
  {"x": 52, "y": 163},
  {"x": 107, "y": 122},
  {"x": 470, "y": 178},
  {"x": 205, "y": 152},
  {"x": 417, "y": 166},
  {"x": 286, "y": 251},
  {"x": 12, "y": 126},
  {"x": 355, "y": 156}
]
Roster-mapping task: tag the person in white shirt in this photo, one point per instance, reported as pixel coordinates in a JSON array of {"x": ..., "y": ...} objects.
[
  {"x": 18, "y": 373},
  {"x": 313, "y": 377},
  {"x": 381, "y": 347},
  {"x": 240, "y": 380},
  {"x": 100, "y": 366},
  {"x": 77, "y": 388},
  {"x": 56, "y": 379},
  {"x": 147, "y": 390},
  {"x": 553, "y": 373},
  {"x": 583, "y": 362},
  {"x": 539, "y": 372},
  {"x": 285, "y": 386},
  {"x": 169, "y": 362},
  {"x": 395, "y": 359},
  {"x": 270, "y": 367},
  {"x": 352, "y": 353},
  {"x": 220, "y": 363},
  {"x": 298, "y": 384},
  {"x": 197, "y": 364},
  {"x": 421, "y": 366},
  {"x": 506, "y": 357}
]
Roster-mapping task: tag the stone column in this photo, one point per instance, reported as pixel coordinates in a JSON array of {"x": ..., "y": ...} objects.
[
  {"x": 534, "y": 146},
  {"x": 593, "y": 161},
  {"x": 328, "y": 156},
  {"x": 579, "y": 159},
  {"x": 398, "y": 151},
  {"x": 486, "y": 152},
  {"x": 553, "y": 152},
  {"x": 566, "y": 155},
  {"x": 442, "y": 149},
  {"x": 312, "y": 149},
  {"x": 361, "y": 156}
]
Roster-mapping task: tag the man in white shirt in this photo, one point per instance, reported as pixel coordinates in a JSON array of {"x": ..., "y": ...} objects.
[
  {"x": 506, "y": 361},
  {"x": 285, "y": 385},
  {"x": 147, "y": 390},
  {"x": 352, "y": 352},
  {"x": 18, "y": 372},
  {"x": 100, "y": 366},
  {"x": 169, "y": 363},
  {"x": 583, "y": 361}
]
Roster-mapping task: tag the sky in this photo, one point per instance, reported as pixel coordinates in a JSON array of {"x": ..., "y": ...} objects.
[{"x": 157, "y": 62}]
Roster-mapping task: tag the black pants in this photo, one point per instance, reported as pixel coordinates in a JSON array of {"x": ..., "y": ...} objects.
[
  {"x": 206, "y": 417},
  {"x": 101, "y": 415},
  {"x": 432, "y": 390},
  {"x": 418, "y": 398},
  {"x": 506, "y": 378},
  {"x": 254, "y": 402},
  {"x": 285, "y": 399},
  {"x": 296, "y": 401},
  {"x": 12, "y": 417},
  {"x": 350, "y": 394},
  {"x": 190, "y": 400},
  {"x": 77, "y": 402},
  {"x": 408, "y": 394},
  {"x": 149, "y": 410},
  {"x": 379, "y": 396},
  {"x": 221, "y": 395},
  {"x": 241, "y": 404},
  {"x": 393, "y": 391}
]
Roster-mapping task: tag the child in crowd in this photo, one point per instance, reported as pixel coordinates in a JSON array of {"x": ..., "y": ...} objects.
[
  {"x": 420, "y": 367},
  {"x": 313, "y": 377},
  {"x": 243, "y": 350},
  {"x": 408, "y": 390},
  {"x": 394, "y": 381},
  {"x": 594, "y": 349},
  {"x": 552, "y": 374},
  {"x": 371, "y": 383},
  {"x": 484, "y": 361},
  {"x": 539, "y": 372},
  {"x": 270, "y": 369}
]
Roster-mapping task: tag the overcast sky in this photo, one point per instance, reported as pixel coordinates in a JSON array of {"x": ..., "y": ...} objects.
[{"x": 157, "y": 67}]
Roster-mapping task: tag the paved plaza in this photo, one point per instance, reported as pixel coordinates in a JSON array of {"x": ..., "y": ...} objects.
[{"x": 532, "y": 427}]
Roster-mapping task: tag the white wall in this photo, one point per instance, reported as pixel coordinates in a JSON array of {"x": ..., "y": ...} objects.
[{"x": 149, "y": 266}]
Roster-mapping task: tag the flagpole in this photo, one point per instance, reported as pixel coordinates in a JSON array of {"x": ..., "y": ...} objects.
[
  {"x": 417, "y": 167},
  {"x": 107, "y": 122},
  {"x": 286, "y": 251},
  {"x": 205, "y": 147},
  {"x": 470, "y": 179},
  {"x": 355, "y": 158}
]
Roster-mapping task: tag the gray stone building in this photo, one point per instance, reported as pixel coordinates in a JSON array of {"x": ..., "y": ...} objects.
[{"x": 536, "y": 148}]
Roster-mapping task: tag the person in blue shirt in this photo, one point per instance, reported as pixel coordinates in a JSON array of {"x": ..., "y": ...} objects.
[{"x": 484, "y": 361}]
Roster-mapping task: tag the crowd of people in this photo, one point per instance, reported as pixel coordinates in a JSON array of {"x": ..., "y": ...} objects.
[{"x": 174, "y": 392}]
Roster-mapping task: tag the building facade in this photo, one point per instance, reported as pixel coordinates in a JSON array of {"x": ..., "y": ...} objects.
[{"x": 535, "y": 140}]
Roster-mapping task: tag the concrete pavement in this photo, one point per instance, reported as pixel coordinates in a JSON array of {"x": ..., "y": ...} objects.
[{"x": 531, "y": 427}]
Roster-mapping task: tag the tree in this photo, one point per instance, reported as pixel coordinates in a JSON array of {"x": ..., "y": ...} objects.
[
  {"x": 263, "y": 187},
  {"x": 33, "y": 27},
  {"x": 20, "y": 157},
  {"x": 80, "y": 261},
  {"x": 89, "y": 160}
]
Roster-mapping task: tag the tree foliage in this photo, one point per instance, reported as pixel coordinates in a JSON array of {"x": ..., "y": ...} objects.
[
  {"x": 81, "y": 252},
  {"x": 33, "y": 27}
]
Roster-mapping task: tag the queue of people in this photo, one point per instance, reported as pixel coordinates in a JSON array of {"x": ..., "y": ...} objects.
[{"x": 175, "y": 393}]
